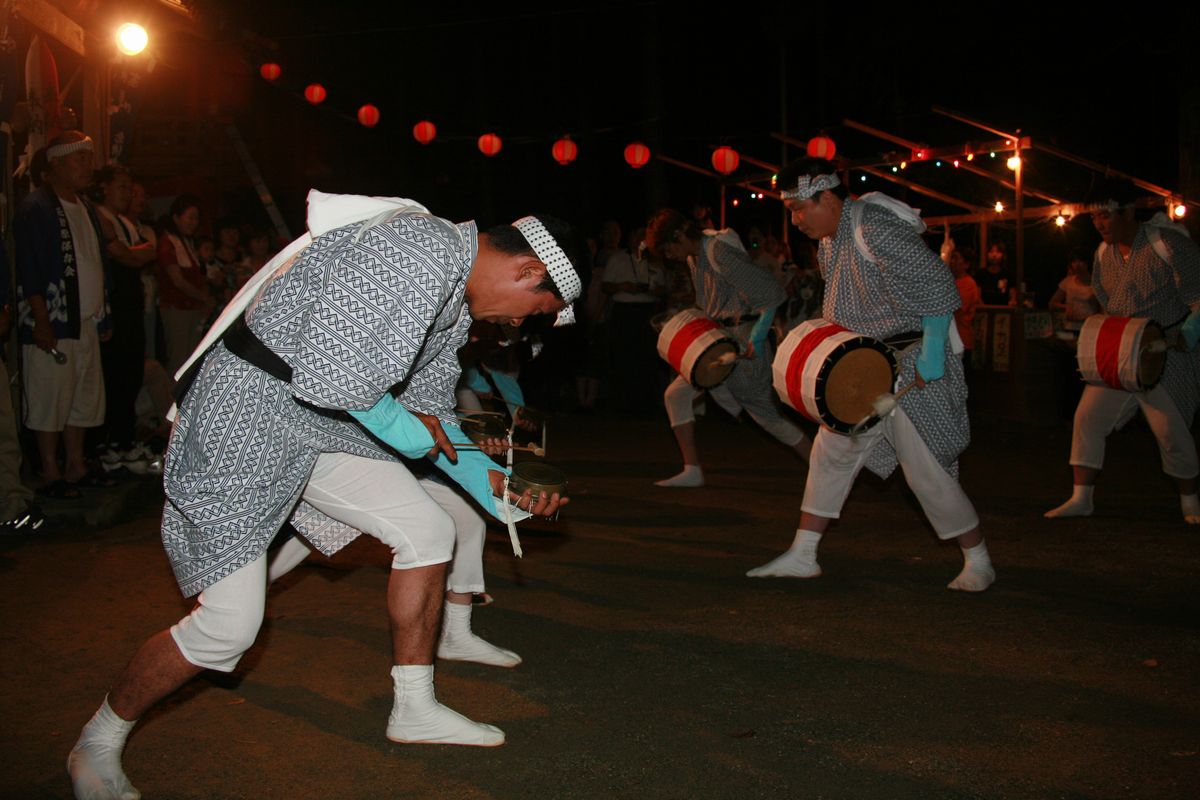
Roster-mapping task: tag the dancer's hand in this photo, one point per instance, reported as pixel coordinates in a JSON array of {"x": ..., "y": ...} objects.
[
  {"x": 543, "y": 505},
  {"x": 441, "y": 442}
]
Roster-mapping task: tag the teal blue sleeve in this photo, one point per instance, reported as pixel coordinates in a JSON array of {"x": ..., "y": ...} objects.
[
  {"x": 510, "y": 390},
  {"x": 471, "y": 471},
  {"x": 475, "y": 381},
  {"x": 931, "y": 363},
  {"x": 1191, "y": 329},
  {"x": 397, "y": 427},
  {"x": 758, "y": 334}
]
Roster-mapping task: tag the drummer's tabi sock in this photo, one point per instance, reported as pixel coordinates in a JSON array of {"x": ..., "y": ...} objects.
[
  {"x": 1190, "y": 504},
  {"x": 1080, "y": 504},
  {"x": 799, "y": 561},
  {"x": 459, "y": 642},
  {"x": 95, "y": 761},
  {"x": 691, "y": 478},
  {"x": 418, "y": 718},
  {"x": 977, "y": 572}
]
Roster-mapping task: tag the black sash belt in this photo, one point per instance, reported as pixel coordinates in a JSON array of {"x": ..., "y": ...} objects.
[
  {"x": 732, "y": 322},
  {"x": 899, "y": 341},
  {"x": 241, "y": 341}
]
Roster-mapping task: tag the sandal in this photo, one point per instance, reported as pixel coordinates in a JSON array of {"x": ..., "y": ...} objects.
[
  {"x": 93, "y": 480},
  {"x": 59, "y": 490}
]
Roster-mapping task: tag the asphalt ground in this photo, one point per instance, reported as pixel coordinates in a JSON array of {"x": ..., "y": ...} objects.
[{"x": 653, "y": 668}]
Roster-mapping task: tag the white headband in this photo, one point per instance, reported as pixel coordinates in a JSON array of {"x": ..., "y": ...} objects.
[
  {"x": 1108, "y": 206},
  {"x": 808, "y": 187},
  {"x": 60, "y": 150},
  {"x": 566, "y": 280}
]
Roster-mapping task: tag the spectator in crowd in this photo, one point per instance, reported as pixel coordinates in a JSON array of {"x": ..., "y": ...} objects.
[
  {"x": 634, "y": 286},
  {"x": 1075, "y": 298},
  {"x": 61, "y": 266},
  {"x": 258, "y": 253},
  {"x": 123, "y": 356},
  {"x": 137, "y": 213},
  {"x": 995, "y": 282},
  {"x": 183, "y": 298},
  {"x": 224, "y": 267},
  {"x": 968, "y": 290},
  {"x": 17, "y": 511}
]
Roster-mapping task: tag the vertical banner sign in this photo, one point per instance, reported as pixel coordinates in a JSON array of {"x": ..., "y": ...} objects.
[
  {"x": 1001, "y": 333},
  {"x": 122, "y": 108},
  {"x": 980, "y": 350}
]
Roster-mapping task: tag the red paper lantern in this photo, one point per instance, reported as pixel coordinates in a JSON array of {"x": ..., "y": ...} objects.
[
  {"x": 821, "y": 147},
  {"x": 490, "y": 144},
  {"x": 368, "y": 116},
  {"x": 725, "y": 160},
  {"x": 314, "y": 93},
  {"x": 270, "y": 71},
  {"x": 564, "y": 151},
  {"x": 637, "y": 155},
  {"x": 424, "y": 131}
]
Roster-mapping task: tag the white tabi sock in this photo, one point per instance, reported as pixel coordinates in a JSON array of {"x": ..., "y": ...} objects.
[
  {"x": 977, "y": 572},
  {"x": 1080, "y": 504},
  {"x": 1190, "y": 504},
  {"x": 691, "y": 478},
  {"x": 460, "y": 643},
  {"x": 418, "y": 718},
  {"x": 95, "y": 761},
  {"x": 799, "y": 561}
]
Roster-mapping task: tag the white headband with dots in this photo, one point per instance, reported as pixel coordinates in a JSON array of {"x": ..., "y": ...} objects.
[
  {"x": 60, "y": 150},
  {"x": 566, "y": 280},
  {"x": 808, "y": 187}
]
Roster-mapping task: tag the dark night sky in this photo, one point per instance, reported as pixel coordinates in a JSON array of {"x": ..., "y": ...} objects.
[{"x": 684, "y": 82}]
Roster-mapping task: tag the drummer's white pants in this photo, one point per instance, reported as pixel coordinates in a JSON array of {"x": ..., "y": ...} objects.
[
  {"x": 1102, "y": 410},
  {"x": 681, "y": 395},
  {"x": 378, "y": 497},
  {"x": 836, "y": 460}
]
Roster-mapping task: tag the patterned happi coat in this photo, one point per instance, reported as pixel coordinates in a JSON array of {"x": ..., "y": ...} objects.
[
  {"x": 359, "y": 311},
  {"x": 729, "y": 284},
  {"x": 1144, "y": 285},
  {"x": 889, "y": 295}
]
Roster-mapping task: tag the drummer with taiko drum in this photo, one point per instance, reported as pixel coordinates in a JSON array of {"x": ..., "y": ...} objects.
[
  {"x": 1143, "y": 271},
  {"x": 741, "y": 298},
  {"x": 882, "y": 281}
]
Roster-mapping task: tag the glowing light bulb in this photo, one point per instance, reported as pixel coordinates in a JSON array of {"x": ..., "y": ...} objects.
[
  {"x": 992, "y": 154},
  {"x": 970, "y": 156},
  {"x": 895, "y": 169},
  {"x": 903, "y": 165},
  {"x": 132, "y": 38},
  {"x": 736, "y": 203},
  {"x": 956, "y": 163},
  {"x": 863, "y": 179},
  {"x": 999, "y": 207},
  {"x": 1180, "y": 210},
  {"x": 1060, "y": 220},
  {"x": 937, "y": 163},
  {"x": 1014, "y": 162}
]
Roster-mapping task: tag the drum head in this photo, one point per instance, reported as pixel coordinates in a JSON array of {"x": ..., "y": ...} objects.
[
  {"x": 537, "y": 476},
  {"x": 714, "y": 364},
  {"x": 479, "y": 427},
  {"x": 854, "y": 382},
  {"x": 1151, "y": 365}
]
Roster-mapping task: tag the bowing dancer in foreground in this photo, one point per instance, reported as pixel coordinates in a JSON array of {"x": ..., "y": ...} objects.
[
  {"x": 283, "y": 422},
  {"x": 1148, "y": 270},
  {"x": 741, "y": 297},
  {"x": 881, "y": 280}
]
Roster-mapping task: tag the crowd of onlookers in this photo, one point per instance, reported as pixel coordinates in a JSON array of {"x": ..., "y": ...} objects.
[{"x": 108, "y": 304}]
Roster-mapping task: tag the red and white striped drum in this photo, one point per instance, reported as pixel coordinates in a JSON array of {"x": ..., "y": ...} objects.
[
  {"x": 699, "y": 349},
  {"x": 831, "y": 375},
  {"x": 1121, "y": 352}
]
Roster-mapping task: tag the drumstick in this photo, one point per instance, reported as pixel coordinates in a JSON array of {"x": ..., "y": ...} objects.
[
  {"x": 882, "y": 406},
  {"x": 533, "y": 448},
  {"x": 726, "y": 358}
]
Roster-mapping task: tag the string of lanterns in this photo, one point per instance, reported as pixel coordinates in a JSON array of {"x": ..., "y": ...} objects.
[{"x": 725, "y": 159}]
